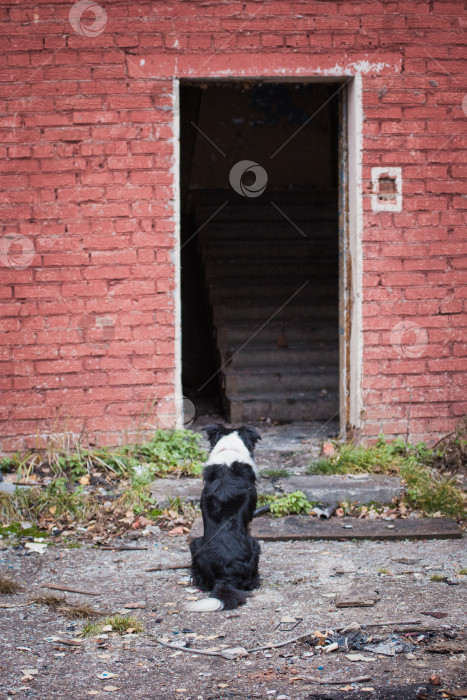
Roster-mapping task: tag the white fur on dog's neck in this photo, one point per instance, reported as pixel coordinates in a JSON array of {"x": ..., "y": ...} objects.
[{"x": 229, "y": 449}]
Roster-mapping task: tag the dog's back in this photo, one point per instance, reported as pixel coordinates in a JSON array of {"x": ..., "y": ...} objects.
[{"x": 225, "y": 560}]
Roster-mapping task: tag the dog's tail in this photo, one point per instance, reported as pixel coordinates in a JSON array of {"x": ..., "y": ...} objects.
[{"x": 223, "y": 597}]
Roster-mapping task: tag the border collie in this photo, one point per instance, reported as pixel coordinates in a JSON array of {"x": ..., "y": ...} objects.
[{"x": 225, "y": 560}]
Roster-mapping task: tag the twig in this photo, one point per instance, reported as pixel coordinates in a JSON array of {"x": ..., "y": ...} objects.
[
  {"x": 16, "y": 605},
  {"x": 121, "y": 548},
  {"x": 329, "y": 681},
  {"x": 68, "y": 642},
  {"x": 169, "y": 567},
  {"x": 193, "y": 651},
  {"x": 68, "y": 589}
]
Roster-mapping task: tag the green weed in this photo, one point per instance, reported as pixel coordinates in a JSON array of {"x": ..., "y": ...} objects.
[
  {"x": 293, "y": 503},
  {"x": 275, "y": 473},
  {"x": 119, "y": 623},
  {"x": 427, "y": 490}
]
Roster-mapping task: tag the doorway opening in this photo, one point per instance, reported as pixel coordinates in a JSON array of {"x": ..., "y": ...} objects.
[{"x": 259, "y": 187}]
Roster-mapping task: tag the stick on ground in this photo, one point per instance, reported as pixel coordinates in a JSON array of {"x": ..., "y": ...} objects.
[{"x": 68, "y": 589}]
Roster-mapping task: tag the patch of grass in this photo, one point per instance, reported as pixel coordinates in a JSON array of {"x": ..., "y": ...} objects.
[
  {"x": 383, "y": 571},
  {"x": 119, "y": 623},
  {"x": 168, "y": 451},
  {"x": 462, "y": 572},
  {"x": 275, "y": 473},
  {"x": 52, "y": 600},
  {"x": 438, "y": 578},
  {"x": 31, "y": 503},
  {"x": 14, "y": 529},
  {"x": 8, "y": 586},
  {"x": 427, "y": 490},
  {"x": 60, "y": 604}
]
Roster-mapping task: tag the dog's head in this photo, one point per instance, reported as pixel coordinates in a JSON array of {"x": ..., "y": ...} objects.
[{"x": 235, "y": 440}]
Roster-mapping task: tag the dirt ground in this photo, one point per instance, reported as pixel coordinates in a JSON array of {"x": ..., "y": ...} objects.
[{"x": 298, "y": 580}]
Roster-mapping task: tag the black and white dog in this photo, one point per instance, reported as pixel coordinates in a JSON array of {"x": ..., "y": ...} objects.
[{"x": 225, "y": 560}]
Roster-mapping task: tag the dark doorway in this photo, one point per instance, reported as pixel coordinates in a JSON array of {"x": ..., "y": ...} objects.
[{"x": 259, "y": 249}]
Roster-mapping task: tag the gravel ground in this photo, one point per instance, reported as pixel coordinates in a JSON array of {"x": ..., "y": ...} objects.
[{"x": 298, "y": 580}]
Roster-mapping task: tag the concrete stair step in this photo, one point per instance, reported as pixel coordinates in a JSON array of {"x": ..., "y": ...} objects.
[
  {"x": 276, "y": 380},
  {"x": 274, "y": 251},
  {"x": 292, "y": 268},
  {"x": 245, "y": 230},
  {"x": 237, "y": 333},
  {"x": 285, "y": 407},
  {"x": 252, "y": 290},
  {"x": 264, "y": 311},
  {"x": 322, "y": 355}
]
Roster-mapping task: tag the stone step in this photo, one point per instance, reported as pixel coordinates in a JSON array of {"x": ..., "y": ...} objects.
[
  {"x": 273, "y": 292},
  {"x": 285, "y": 407},
  {"x": 290, "y": 268},
  {"x": 239, "y": 332},
  {"x": 323, "y": 489},
  {"x": 325, "y": 229},
  {"x": 305, "y": 356},
  {"x": 305, "y": 249},
  {"x": 265, "y": 212},
  {"x": 263, "y": 311},
  {"x": 277, "y": 380}
]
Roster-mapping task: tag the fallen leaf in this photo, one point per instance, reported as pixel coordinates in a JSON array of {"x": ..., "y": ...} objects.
[
  {"x": 176, "y": 531},
  {"x": 111, "y": 688},
  {"x": 84, "y": 480},
  {"x": 358, "y": 657},
  {"x": 30, "y": 671},
  {"x": 105, "y": 675},
  {"x": 93, "y": 692},
  {"x": 39, "y": 547},
  {"x": 287, "y": 618}
]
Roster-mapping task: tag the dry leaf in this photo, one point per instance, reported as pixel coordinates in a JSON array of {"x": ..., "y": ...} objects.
[
  {"x": 176, "y": 531},
  {"x": 84, "y": 480},
  {"x": 111, "y": 688}
]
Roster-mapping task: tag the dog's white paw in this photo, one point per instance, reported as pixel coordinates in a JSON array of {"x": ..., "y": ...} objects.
[{"x": 205, "y": 605}]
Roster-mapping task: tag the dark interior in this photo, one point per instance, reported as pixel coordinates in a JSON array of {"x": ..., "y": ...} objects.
[{"x": 260, "y": 273}]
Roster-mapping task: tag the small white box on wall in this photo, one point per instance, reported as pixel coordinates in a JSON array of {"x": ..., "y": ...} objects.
[{"x": 386, "y": 189}]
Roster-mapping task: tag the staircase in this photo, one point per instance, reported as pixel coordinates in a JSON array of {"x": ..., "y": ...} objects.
[{"x": 273, "y": 294}]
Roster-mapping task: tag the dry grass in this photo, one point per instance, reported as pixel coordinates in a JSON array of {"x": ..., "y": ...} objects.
[
  {"x": 63, "y": 607},
  {"x": 8, "y": 586}
]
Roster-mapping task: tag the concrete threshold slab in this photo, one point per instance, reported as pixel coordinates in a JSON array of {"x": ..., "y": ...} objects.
[
  {"x": 304, "y": 527},
  {"x": 323, "y": 489}
]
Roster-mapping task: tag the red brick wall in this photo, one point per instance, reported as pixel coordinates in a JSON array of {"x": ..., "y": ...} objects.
[{"x": 87, "y": 177}]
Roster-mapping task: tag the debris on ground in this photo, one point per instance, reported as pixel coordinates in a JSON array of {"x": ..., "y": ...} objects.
[{"x": 356, "y": 599}]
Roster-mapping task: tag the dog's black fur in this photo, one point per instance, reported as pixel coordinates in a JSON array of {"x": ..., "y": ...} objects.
[{"x": 225, "y": 560}]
